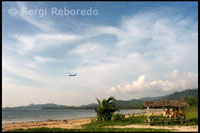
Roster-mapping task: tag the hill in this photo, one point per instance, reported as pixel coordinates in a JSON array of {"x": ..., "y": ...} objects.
[
  {"x": 189, "y": 93},
  {"x": 137, "y": 103},
  {"x": 129, "y": 104}
]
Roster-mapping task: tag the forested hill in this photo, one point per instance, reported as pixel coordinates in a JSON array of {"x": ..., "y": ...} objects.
[
  {"x": 189, "y": 93},
  {"x": 137, "y": 103}
]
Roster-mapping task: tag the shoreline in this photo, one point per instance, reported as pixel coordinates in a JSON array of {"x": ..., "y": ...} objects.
[
  {"x": 77, "y": 124},
  {"x": 65, "y": 124},
  {"x": 75, "y": 118}
]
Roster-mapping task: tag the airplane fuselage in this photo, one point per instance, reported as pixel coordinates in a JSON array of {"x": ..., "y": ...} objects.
[{"x": 72, "y": 75}]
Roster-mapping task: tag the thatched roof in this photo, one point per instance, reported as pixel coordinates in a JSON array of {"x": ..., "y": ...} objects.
[{"x": 160, "y": 104}]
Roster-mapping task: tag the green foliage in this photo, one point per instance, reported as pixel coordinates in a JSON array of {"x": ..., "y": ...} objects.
[
  {"x": 105, "y": 109},
  {"x": 135, "y": 119},
  {"x": 117, "y": 116},
  {"x": 191, "y": 112},
  {"x": 189, "y": 93},
  {"x": 125, "y": 121},
  {"x": 191, "y": 101},
  {"x": 193, "y": 121}
]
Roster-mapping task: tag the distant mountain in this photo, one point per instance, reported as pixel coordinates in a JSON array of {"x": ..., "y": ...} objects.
[
  {"x": 40, "y": 106},
  {"x": 89, "y": 105},
  {"x": 151, "y": 98},
  {"x": 134, "y": 103}
]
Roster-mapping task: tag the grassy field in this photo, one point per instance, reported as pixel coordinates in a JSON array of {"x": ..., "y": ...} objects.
[
  {"x": 91, "y": 130},
  {"x": 192, "y": 112},
  {"x": 126, "y": 121}
]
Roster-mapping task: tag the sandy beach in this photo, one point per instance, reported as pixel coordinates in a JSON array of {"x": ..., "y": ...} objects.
[
  {"x": 67, "y": 124},
  {"x": 76, "y": 124}
]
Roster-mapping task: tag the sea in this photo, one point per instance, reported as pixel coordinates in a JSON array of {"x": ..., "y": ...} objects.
[{"x": 15, "y": 116}]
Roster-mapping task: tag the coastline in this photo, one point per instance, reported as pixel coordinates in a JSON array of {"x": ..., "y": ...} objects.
[
  {"x": 64, "y": 116},
  {"x": 65, "y": 124},
  {"x": 77, "y": 123}
]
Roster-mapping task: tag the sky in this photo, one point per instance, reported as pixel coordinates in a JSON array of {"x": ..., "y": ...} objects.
[{"x": 128, "y": 50}]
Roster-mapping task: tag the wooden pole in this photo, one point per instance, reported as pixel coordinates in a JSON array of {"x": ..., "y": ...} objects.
[{"x": 148, "y": 114}]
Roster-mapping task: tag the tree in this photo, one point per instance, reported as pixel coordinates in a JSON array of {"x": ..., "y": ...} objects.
[{"x": 105, "y": 109}]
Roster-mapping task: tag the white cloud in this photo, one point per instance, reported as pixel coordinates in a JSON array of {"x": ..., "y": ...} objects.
[
  {"x": 31, "y": 65},
  {"x": 26, "y": 44},
  {"x": 41, "y": 22},
  {"x": 185, "y": 81},
  {"x": 173, "y": 74},
  {"x": 111, "y": 90},
  {"x": 43, "y": 59},
  {"x": 89, "y": 48}
]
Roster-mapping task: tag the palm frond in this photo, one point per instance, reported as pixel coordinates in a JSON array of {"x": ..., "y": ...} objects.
[
  {"x": 100, "y": 103},
  {"x": 111, "y": 99}
]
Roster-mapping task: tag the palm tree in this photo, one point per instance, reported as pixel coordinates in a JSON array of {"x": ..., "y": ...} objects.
[{"x": 105, "y": 109}]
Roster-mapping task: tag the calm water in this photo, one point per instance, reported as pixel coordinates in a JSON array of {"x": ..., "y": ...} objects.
[{"x": 9, "y": 116}]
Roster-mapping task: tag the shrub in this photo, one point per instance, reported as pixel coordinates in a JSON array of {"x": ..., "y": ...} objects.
[
  {"x": 117, "y": 116},
  {"x": 105, "y": 109}
]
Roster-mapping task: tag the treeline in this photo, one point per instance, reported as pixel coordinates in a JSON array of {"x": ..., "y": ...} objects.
[{"x": 192, "y": 101}]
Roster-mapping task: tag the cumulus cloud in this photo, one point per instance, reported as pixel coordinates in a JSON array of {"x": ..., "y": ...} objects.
[
  {"x": 187, "y": 80},
  {"x": 111, "y": 90},
  {"x": 173, "y": 74}
]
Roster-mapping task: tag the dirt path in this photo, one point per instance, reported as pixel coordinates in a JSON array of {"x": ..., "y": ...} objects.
[{"x": 173, "y": 128}]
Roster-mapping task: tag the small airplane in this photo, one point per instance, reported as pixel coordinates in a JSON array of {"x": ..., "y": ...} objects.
[{"x": 69, "y": 74}]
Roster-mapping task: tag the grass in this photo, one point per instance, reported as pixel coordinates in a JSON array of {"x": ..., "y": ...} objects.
[
  {"x": 91, "y": 130},
  {"x": 191, "y": 112},
  {"x": 126, "y": 121}
]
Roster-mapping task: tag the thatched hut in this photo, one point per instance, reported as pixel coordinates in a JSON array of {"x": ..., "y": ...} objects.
[{"x": 165, "y": 104}]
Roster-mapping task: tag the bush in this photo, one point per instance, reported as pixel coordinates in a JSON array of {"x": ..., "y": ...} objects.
[
  {"x": 192, "y": 101},
  {"x": 193, "y": 121},
  {"x": 117, "y": 116},
  {"x": 105, "y": 109}
]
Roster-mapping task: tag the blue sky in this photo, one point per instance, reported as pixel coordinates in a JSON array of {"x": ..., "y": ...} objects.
[{"x": 129, "y": 50}]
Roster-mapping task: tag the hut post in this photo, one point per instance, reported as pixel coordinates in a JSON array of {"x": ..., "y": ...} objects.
[
  {"x": 148, "y": 113},
  {"x": 163, "y": 111}
]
